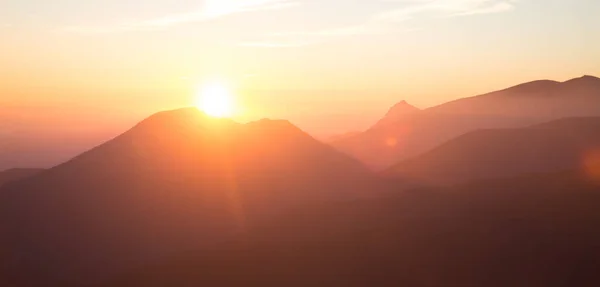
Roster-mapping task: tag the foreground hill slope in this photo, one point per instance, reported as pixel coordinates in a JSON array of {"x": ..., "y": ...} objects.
[
  {"x": 519, "y": 106},
  {"x": 177, "y": 181},
  {"x": 17, "y": 174},
  {"x": 537, "y": 231},
  {"x": 555, "y": 146}
]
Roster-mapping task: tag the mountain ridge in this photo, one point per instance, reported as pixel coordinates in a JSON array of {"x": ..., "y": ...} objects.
[
  {"x": 559, "y": 145},
  {"x": 518, "y": 106},
  {"x": 396, "y": 113}
]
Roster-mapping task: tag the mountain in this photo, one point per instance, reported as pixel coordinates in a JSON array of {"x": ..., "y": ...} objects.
[
  {"x": 519, "y": 106},
  {"x": 17, "y": 174},
  {"x": 339, "y": 137},
  {"x": 396, "y": 113},
  {"x": 543, "y": 100},
  {"x": 555, "y": 146},
  {"x": 177, "y": 181},
  {"x": 538, "y": 231},
  {"x": 380, "y": 148}
]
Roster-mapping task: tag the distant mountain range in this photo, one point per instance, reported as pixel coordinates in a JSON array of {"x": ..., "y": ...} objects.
[
  {"x": 493, "y": 191},
  {"x": 177, "y": 181},
  {"x": 560, "y": 145},
  {"x": 404, "y": 135}
]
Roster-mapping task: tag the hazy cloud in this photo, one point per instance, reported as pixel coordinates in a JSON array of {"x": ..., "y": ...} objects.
[
  {"x": 276, "y": 43},
  {"x": 219, "y": 8},
  {"x": 443, "y": 8},
  {"x": 404, "y": 15},
  {"x": 387, "y": 21},
  {"x": 298, "y": 39},
  {"x": 210, "y": 10}
]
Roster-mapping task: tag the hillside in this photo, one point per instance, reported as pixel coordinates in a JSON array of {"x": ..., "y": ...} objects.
[
  {"x": 17, "y": 174},
  {"x": 536, "y": 231},
  {"x": 177, "y": 181},
  {"x": 555, "y": 146},
  {"x": 531, "y": 103}
]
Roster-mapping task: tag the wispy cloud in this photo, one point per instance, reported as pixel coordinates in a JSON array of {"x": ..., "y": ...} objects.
[
  {"x": 494, "y": 8},
  {"x": 212, "y": 9},
  {"x": 380, "y": 23},
  {"x": 405, "y": 15},
  {"x": 299, "y": 39},
  {"x": 274, "y": 44},
  {"x": 306, "y": 38},
  {"x": 413, "y": 9}
]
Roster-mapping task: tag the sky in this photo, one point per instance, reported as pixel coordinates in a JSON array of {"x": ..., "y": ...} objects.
[{"x": 329, "y": 66}]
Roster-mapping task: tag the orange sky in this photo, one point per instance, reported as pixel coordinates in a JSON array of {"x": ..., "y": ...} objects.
[{"x": 329, "y": 67}]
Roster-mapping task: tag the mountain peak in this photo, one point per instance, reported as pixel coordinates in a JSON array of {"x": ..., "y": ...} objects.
[
  {"x": 397, "y": 112},
  {"x": 585, "y": 82},
  {"x": 589, "y": 77},
  {"x": 189, "y": 113},
  {"x": 402, "y": 108},
  {"x": 585, "y": 79},
  {"x": 190, "y": 117},
  {"x": 402, "y": 103}
]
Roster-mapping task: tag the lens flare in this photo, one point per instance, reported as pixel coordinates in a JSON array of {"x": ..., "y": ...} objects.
[{"x": 592, "y": 164}]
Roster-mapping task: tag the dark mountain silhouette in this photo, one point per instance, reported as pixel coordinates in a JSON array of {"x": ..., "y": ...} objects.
[
  {"x": 519, "y": 106},
  {"x": 177, "y": 181},
  {"x": 537, "y": 231},
  {"x": 17, "y": 174},
  {"x": 555, "y": 146}
]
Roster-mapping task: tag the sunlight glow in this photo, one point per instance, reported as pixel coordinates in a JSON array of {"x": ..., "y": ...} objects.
[
  {"x": 216, "y": 100},
  {"x": 216, "y": 8},
  {"x": 592, "y": 165}
]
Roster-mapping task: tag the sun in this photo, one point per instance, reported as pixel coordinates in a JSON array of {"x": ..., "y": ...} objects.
[{"x": 216, "y": 100}]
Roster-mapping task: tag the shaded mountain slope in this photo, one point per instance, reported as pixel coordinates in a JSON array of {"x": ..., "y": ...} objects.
[
  {"x": 383, "y": 147},
  {"x": 555, "y": 146},
  {"x": 179, "y": 180},
  {"x": 519, "y": 106},
  {"x": 17, "y": 174},
  {"x": 339, "y": 137},
  {"x": 537, "y": 231}
]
